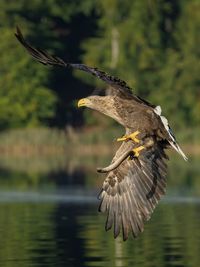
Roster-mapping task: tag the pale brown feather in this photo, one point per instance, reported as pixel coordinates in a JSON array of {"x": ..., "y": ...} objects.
[{"x": 131, "y": 192}]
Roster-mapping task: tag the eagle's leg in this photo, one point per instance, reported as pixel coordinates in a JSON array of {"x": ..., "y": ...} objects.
[
  {"x": 131, "y": 136},
  {"x": 137, "y": 150}
]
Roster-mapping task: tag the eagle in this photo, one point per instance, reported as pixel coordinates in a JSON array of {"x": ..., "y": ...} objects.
[{"x": 136, "y": 177}]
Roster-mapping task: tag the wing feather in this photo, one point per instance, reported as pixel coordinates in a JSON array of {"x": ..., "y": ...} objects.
[
  {"x": 47, "y": 59},
  {"x": 131, "y": 192},
  {"x": 119, "y": 86}
]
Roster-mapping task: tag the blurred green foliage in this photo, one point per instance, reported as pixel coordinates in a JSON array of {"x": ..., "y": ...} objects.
[
  {"x": 153, "y": 45},
  {"x": 25, "y": 100}
]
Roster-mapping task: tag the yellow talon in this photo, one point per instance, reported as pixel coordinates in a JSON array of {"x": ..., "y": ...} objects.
[
  {"x": 130, "y": 137},
  {"x": 133, "y": 137},
  {"x": 137, "y": 150},
  {"x": 123, "y": 138}
]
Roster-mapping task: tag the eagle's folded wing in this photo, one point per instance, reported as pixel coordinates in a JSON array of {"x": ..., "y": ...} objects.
[{"x": 130, "y": 192}]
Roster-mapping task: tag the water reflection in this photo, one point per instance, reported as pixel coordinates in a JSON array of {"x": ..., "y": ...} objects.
[
  {"x": 50, "y": 218},
  {"x": 72, "y": 235}
]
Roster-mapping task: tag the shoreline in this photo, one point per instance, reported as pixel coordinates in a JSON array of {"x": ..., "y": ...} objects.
[
  {"x": 74, "y": 149},
  {"x": 87, "y": 141}
]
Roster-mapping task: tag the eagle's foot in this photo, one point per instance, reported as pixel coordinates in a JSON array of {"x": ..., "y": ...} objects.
[
  {"x": 130, "y": 137},
  {"x": 137, "y": 150}
]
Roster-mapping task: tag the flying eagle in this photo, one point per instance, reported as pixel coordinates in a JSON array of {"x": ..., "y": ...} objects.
[{"x": 136, "y": 177}]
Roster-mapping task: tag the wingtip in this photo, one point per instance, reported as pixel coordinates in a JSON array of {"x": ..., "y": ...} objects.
[
  {"x": 19, "y": 35},
  {"x": 183, "y": 154},
  {"x": 125, "y": 237},
  {"x": 107, "y": 227},
  {"x": 18, "y": 31},
  {"x": 17, "y": 28},
  {"x": 179, "y": 150},
  {"x": 116, "y": 234}
]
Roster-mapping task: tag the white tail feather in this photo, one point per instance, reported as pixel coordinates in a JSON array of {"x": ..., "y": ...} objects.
[
  {"x": 158, "y": 110},
  {"x": 173, "y": 142},
  {"x": 178, "y": 149}
]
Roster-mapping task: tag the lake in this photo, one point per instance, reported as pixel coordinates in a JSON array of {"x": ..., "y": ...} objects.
[{"x": 49, "y": 217}]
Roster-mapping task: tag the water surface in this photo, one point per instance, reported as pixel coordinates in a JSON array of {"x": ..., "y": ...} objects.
[{"x": 49, "y": 217}]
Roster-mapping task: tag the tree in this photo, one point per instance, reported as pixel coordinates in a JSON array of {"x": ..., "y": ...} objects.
[
  {"x": 180, "y": 74},
  {"x": 31, "y": 94},
  {"x": 23, "y": 98},
  {"x": 154, "y": 46}
]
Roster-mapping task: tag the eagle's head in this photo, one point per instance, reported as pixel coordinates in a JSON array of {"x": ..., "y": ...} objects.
[{"x": 104, "y": 104}]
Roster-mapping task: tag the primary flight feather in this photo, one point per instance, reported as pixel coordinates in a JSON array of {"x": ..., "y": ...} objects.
[{"x": 136, "y": 177}]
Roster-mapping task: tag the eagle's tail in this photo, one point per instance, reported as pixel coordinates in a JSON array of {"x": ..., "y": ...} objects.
[
  {"x": 178, "y": 149},
  {"x": 172, "y": 140}
]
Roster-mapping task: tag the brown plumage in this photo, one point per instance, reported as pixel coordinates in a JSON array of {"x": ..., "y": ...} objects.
[{"x": 134, "y": 184}]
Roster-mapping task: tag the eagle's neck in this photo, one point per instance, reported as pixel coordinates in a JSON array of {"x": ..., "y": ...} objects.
[{"x": 109, "y": 106}]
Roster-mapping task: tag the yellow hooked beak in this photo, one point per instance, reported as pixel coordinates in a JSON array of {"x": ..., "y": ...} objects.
[{"x": 82, "y": 102}]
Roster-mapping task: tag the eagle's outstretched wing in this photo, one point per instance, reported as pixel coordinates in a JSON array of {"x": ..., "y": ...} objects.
[
  {"x": 119, "y": 86},
  {"x": 131, "y": 191}
]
